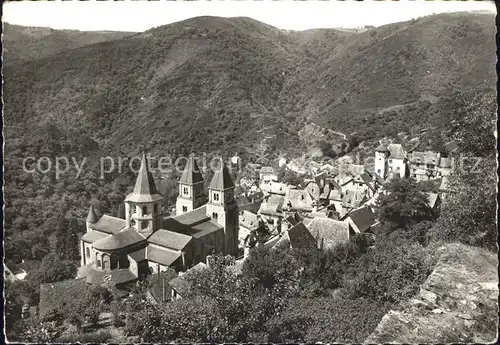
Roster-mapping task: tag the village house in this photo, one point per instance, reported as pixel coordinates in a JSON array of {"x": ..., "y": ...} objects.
[
  {"x": 122, "y": 250},
  {"x": 329, "y": 232},
  {"x": 300, "y": 201},
  {"x": 424, "y": 165},
  {"x": 14, "y": 272},
  {"x": 267, "y": 176},
  {"x": 361, "y": 220},
  {"x": 391, "y": 161}
]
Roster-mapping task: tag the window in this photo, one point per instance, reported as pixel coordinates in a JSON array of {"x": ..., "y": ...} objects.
[
  {"x": 98, "y": 263},
  {"x": 216, "y": 196},
  {"x": 87, "y": 251},
  {"x": 398, "y": 168},
  {"x": 184, "y": 208},
  {"x": 215, "y": 215},
  {"x": 185, "y": 191},
  {"x": 378, "y": 171},
  {"x": 144, "y": 224},
  {"x": 155, "y": 208},
  {"x": 144, "y": 210}
]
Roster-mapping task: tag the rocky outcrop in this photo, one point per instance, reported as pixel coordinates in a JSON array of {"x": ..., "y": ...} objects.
[{"x": 457, "y": 303}]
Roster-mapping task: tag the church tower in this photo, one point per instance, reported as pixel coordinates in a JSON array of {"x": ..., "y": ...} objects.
[
  {"x": 381, "y": 154},
  {"x": 143, "y": 207},
  {"x": 222, "y": 208},
  {"x": 91, "y": 218},
  {"x": 191, "y": 189}
]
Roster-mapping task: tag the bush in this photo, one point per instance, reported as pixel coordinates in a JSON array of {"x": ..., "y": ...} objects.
[{"x": 98, "y": 337}]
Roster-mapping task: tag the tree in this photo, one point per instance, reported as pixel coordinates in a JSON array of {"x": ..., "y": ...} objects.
[
  {"x": 468, "y": 214},
  {"x": 68, "y": 242},
  {"x": 403, "y": 204},
  {"x": 54, "y": 269}
]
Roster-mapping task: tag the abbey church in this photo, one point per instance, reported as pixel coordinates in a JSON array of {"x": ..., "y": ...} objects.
[{"x": 118, "y": 251}]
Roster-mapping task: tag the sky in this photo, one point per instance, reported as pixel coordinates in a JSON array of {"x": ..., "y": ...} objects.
[{"x": 288, "y": 15}]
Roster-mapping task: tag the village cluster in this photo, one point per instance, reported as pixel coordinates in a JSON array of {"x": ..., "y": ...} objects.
[{"x": 326, "y": 209}]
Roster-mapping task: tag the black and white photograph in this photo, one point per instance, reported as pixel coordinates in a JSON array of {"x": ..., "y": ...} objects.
[{"x": 250, "y": 171}]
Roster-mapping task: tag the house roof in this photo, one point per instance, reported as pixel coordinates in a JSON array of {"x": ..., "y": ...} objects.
[
  {"x": 396, "y": 151},
  {"x": 191, "y": 173},
  {"x": 109, "y": 224},
  {"x": 53, "y": 294},
  {"x": 92, "y": 236},
  {"x": 298, "y": 200},
  {"x": 120, "y": 240},
  {"x": 266, "y": 170},
  {"x": 157, "y": 281},
  {"x": 446, "y": 162},
  {"x": 145, "y": 188},
  {"x": 163, "y": 256},
  {"x": 367, "y": 180},
  {"x": 169, "y": 239},
  {"x": 381, "y": 148},
  {"x": 222, "y": 179},
  {"x": 363, "y": 217},
  {"x": 92, "y": 216},
  {"x": 432, "y": 199},
  {"x": 353, "y": 198},
  {"x": 278, "y": 188},
  {"x": 294, "y": 219},
  {"x": 329, "y": 232},
  {"x": 273, "y": 205},
  {"x": 301, "y": 237},
  {"x": 427, "y": 157},
  {"x": 249, "y": 220},
  {"x": 181, "y": 283},
  {"x": 116, "y": 276}
]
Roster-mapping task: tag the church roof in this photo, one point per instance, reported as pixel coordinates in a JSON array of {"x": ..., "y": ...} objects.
[
  {"x": 109, "y": 224},
  {"x": 120, "y": 240},
  {"x": 163, "y": 256},
  {"x": 205, "y": 228},
  {"x": 191, "y": 173},
  {"x": 222, "y": 179},
  {"x": 93, "y": 236},
  {"x": 145, "y": 188},
  {"x": 169, "y": 239},
  {"x": 92, "y": 216}
]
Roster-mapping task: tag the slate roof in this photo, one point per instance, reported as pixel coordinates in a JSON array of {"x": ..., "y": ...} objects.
[
  {"x": 222, "y": 179},
  {"x": 191, "y": 173},
  {"x": 273, "y": 206},
  {"x": 120, "y": 240},
  {"x": 169, "y": 239},
  {"x": 163, "y": 256},
  {"x": 266, "y": 170},
  {"x": 205, "y": 228},
  {"x": 92, "y": 216},
  {"x": 181, "y": 284},
  {"x": 381, "y": 148},
  {"x": 300, "y": 237},
  {"x": 367, "y": 180},
  {"x": 50, "y": 293},
  {"x": 363, "y": 217},
  {"x": 446, "y": 162},
  {"x": 329, "y": 232},
  {"x": 278, "y": 188},
  {"x": 293, "y": 219},
  {"x": 427, "y": 157},
  {"x": 138, "y": 255},
  {"x": 109, "y": 224},
  {"x": 249, "y": 220},
  {"x": 117, "y": 276},
  {"x": 298, "y": 200},
  {"x": 156, "y": 284},
  {"x": 396, "y": 151},
  {"x": 92, "y": 236},
  {"x": 353, "y": 198},
  {"x": 145, "y": 188}
]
